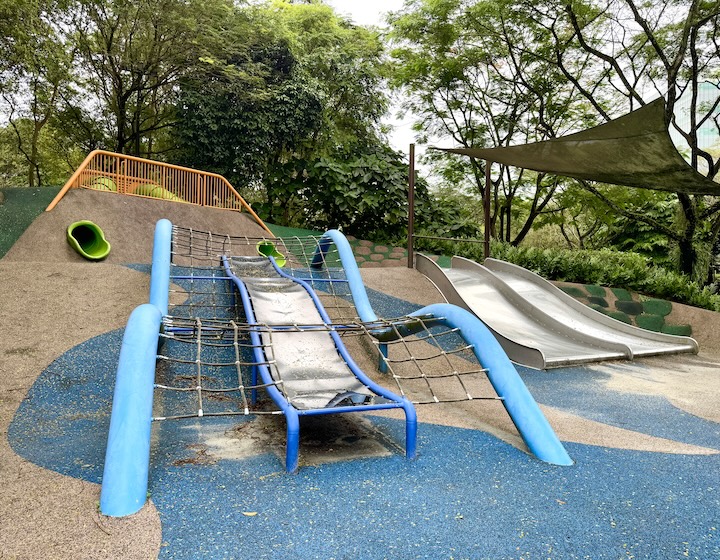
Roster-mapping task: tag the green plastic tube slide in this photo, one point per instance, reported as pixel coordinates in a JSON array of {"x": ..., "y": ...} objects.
[
  {"x": 88, "y": 240},
  {"x": 268, "y": 249}
]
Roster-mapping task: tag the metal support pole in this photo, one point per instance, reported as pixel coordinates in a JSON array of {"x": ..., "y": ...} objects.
[
  {"x": 411, "y": 209},
  {"x": 486, "y": 208}
]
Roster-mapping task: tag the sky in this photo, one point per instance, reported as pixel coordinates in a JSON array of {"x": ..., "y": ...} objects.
[{"x": 365, "y": 12}]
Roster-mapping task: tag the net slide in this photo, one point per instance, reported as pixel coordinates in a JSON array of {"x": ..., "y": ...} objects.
[
  {"x": 272, "y": 318},
  {"x": 307, "y": 371}
]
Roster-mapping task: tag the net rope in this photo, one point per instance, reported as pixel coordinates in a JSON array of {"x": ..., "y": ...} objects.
[{"x": 206, "y": 350}]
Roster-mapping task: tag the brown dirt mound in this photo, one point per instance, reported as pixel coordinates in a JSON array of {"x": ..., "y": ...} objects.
[{"x": 128, "y": 223}]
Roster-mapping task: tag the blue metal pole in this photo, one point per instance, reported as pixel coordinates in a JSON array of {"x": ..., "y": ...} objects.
[
  {"x": 160, "y": 274},
  {"x": 519, "y": 403},
  {"x": 127, "y": 458}
]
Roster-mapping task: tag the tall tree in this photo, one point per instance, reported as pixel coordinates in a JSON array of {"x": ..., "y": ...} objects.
[
  {"x": 639, "y": 51},
  {"x": 133, "y": 54},
  {"x": 35, "y": 73},
  {"x": 474, "y": 74},
  {"x": 293, "y": 116},
  {"x": 545, "y": 68}
]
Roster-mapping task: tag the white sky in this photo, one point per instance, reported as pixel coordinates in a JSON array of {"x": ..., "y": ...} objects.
[{"x": 365, "y": 12}]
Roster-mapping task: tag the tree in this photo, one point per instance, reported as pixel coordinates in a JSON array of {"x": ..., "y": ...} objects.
[
  {"x": 576, "y": 64},
  {"x": 473, "y": 74},
  {"x": 293, "y": 118},
  {"x": 640, "y": 51},
  {"x": 133, "y": 55},
  {"x": 35, "y": 74}
]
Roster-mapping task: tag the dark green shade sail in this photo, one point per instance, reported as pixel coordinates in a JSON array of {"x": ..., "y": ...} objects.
[{"x": 634, "y": 150}]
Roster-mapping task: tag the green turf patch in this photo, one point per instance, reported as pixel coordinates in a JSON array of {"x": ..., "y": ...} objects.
[
  {"x": 283, "y": 231},
  {"x": 600, "y": 301},
  {"x": 677, "y": 330},
  {"x": 622, "y": 294},
  {"x": 595, "y": 290},
  {"x": 657, "y": 307},
  {"x": 650, "y": 322},
  {"x": 620, "y": 316},
  {"x": 22, "y": 205},
  {"x": 598, "y": 308},
  {"x": 629, "y": 307},
  {"x": 573, "y": 291}
]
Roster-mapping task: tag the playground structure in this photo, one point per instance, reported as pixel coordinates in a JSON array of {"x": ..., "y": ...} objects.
[
  {"x": 88, "y": 240},
  {"x": 250, "y": 327},
  {"x": 537, "y": 324},
  {"x": 122, "y": 174}
]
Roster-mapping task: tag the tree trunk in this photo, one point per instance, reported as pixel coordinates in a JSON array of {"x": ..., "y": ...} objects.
[{"x": 688, "y": 254}]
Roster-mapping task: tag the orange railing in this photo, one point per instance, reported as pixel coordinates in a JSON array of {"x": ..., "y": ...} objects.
[{"x": 118, "y": 173}]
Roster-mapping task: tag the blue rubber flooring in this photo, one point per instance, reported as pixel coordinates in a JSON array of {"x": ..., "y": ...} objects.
[{"x": 468, "y": 495}]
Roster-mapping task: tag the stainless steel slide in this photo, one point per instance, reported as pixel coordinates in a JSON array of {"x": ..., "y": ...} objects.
[{"x": 537, "y": 324}]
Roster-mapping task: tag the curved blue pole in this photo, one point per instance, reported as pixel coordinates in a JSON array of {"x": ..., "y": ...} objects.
[
  {"x": 352, "y": 272},
  {"x": 160, "y": 274},
  {"x": 519, "y": 403},
  {"x": 127, "y": 458}
]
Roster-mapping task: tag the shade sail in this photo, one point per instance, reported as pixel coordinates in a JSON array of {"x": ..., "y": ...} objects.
[{"x": 634, "y": 150}]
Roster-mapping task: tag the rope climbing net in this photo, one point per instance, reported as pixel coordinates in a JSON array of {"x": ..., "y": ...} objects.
[
  {"x": 213, "y": 361},
  {"x": 196, "y": 259},
  {"x": 207, "y": 349}
]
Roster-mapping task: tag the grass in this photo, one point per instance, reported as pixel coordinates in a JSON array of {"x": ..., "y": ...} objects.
[{"x": 22, "y": 205}]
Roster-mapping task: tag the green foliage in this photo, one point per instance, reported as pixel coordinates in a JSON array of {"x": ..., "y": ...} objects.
[
  {"x": 603, "y": 267},
  {"x": 363, "y": 193},
  {"x": 650, "y": 322},
  {"x": 657, "y": 307}
]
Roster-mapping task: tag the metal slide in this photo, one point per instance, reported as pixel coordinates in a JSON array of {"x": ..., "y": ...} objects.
[{"x": 537, "y": 324}]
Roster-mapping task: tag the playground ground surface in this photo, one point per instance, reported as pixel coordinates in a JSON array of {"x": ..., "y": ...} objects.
[{"x": 645, "y": 437}]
